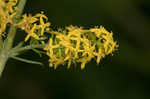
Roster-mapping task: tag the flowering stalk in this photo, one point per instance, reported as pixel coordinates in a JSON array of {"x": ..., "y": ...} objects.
[
  {"x": 29, "y": 47},
  {"x": 4, "y": 53},
  {"x": 71, "y": 45}
]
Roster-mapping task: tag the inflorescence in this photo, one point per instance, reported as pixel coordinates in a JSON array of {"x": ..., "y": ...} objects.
[{"x": 65, "y": 46}]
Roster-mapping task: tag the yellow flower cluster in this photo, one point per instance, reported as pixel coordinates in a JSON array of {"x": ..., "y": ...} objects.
[
  {"x": 35, "y": 26},
  {"x": 80, "y": 45},
  {"x": 72, "y": 44},
  {"x": 7, "y": 12}
]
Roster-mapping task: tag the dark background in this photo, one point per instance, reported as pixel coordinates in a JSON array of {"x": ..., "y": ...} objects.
[{"x": 126, "y": 75}]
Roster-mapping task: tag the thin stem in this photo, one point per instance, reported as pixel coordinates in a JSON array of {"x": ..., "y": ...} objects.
[
  {"x": 26, "y": 61},
  {"x": 4, "y": 54},
  {"x": 29, "y": 47},
  {"x": 12, "y": 31},
  {"x": 1, "y": 43}
]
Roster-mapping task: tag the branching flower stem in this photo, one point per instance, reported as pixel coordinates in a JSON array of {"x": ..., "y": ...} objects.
[
  {"x": 73, "y": 44},
  {"x": 5, "y": 51},
  {"x": 25, "y": 48}
]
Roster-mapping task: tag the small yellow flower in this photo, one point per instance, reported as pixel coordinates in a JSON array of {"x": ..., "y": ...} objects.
[
  {"x": 99, "y": 55},
  {"x": 42, "y": 25},
  {"x": 99, "y": 31},
  {"x": 26, "y": 22},
  {"x": 50, "y": 47},
  {"x": 38, "y": 24},
  {"x": 83, "y": 64},
  {"x": 31, "y": 33},
  {"x": 10, "y": 5}
]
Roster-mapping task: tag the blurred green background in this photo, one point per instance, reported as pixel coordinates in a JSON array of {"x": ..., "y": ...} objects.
[{"x": 126, "y": 75}]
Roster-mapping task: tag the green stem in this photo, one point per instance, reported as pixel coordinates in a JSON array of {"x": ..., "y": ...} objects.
[
  {"x": 1, "y": 43},
  {"x": 29, "y": 47},
  {"x": 4, "y": 54},
  {"x": 26, "y": 61},
  {"x": 3, "y": 60},
  {"x": 12, "y": 31}
]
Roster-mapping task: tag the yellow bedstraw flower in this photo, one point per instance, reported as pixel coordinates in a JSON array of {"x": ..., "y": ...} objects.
[
  {"x": 29, "y": 22},
  {"x": 78, "y": 45},
  {"x": 42, "y": 24},
  {"x": 99, "y": 55},
  {"x": 10, "y": 5},
  {"x": 50, "y": 47},
  {"x": 31, "y": 33},
  {"x": 26, "y": 22},
  {"x": 7, "y": 12}
]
